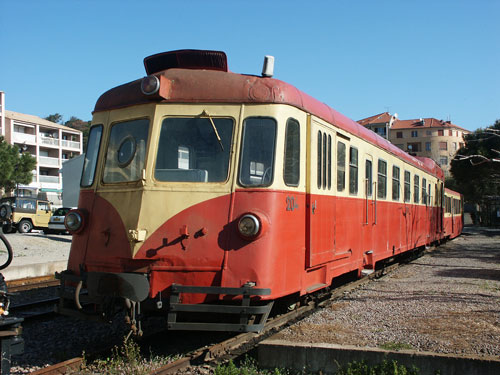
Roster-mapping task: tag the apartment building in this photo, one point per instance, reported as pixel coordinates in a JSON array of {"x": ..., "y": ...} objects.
[
  {"x": 429, "y": 137},
  {"x": 50, "y": 143}
]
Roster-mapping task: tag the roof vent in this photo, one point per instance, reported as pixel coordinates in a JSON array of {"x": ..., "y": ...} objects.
[{"x": 186, "y": 59}]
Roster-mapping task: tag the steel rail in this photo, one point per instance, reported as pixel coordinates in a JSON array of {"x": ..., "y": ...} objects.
[{"x": 239, "y": 344}]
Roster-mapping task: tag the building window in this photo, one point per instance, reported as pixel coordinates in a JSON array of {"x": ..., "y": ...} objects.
[
  {"x": 382, "y": 179},
  {"x": 450, "y": 132},
  {"x": 428, "y": 132},
  {"x": 443, "y": 160},
  {"x": 340, "y": 166},
  {"x": 416, "y": 189},
  {"x": 380, "y": 131},
  {"x": 353, "y": 170},
  {"x": 407, "y": 186},
  {"x": 414, "y": 133},
  {"x": 427, "y": 146},
  {"x": 440, "y": 132},
  {"x": 443, "y": 146},
  {"x": 454, "y": 144},
  {"x": 395, "y": 183},
  {"x": 399, "y": 135},
  {"x": 414, "y": 147}
]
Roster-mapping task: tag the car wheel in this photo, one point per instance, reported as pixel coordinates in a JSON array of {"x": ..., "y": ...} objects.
[
  {"x": 8, "y": 228},
  {"x": 25, "y": 226},
  {"x": 5, "y": 211}
]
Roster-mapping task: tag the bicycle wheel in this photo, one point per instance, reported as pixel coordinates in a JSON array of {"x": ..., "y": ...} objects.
[{"x": 5, "y": 251}]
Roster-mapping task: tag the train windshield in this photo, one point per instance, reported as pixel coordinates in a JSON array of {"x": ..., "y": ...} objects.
[
  {"x": 126, "y": 152},
  {"x": 194, "y": 149},
  {"x": 257, "y": 154}
]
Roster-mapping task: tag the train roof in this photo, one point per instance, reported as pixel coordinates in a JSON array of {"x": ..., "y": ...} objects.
[{"x": 184, "y": 79}]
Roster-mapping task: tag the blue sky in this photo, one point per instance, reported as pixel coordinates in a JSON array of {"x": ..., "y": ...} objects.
[{"x": 423, "y": 58}]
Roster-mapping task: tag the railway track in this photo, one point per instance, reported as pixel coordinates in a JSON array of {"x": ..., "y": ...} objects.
[
  {"x": 29, "y": 283},
  {"x": 242, "y": 343}
]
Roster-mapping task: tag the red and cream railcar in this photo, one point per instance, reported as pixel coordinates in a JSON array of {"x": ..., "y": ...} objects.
[
  {"x": 206, "y": 192},
  {"x": 453, "y": 214}
]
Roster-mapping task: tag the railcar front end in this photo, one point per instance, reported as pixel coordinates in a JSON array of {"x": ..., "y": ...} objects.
[{"x": 176, "y": 213}]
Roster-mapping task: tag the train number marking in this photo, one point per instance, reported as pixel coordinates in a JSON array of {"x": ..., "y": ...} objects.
[{"x": 291, "y": 204}]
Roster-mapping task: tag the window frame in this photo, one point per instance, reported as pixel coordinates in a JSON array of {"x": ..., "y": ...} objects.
[
  {"x": 353, "y": 170},
  {"x": 97, "y": 156},
  {"x": 396, "y": 183},
  {"x": 382, "y": 176},
  {"x": 296, "y": 171},
  {"x": 407, "y": 189},
  {"x": 242, "y": 142},
  {"x": 341, "y": 167},
  {"x": 416, "y": 188}
]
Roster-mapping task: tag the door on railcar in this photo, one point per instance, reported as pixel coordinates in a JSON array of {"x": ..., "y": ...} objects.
[
  {"x": 368, "y": 205},
  {"x": 320, "y": 218}
]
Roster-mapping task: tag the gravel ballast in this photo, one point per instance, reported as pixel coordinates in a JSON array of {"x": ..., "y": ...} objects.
[{"x": 447, "y": 301}]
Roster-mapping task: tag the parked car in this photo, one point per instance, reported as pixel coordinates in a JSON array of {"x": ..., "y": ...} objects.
[
  {"x": 24, "y": 214},
  {"x": 56, "y": 222}
]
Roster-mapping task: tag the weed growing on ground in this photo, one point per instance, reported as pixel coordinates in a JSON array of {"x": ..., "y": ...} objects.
[
  {"x": 384, "y": 368},
  {"x": 247, "y": 367},
  {"x": 125, "y": 359}
]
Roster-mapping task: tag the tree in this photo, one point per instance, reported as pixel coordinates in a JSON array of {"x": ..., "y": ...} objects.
[
  {"x": 476, "y": 167},
  {"x": 15, "y": 168},
  {"x": 78, "y": 124},
  {"x": 56, "y": 117}
]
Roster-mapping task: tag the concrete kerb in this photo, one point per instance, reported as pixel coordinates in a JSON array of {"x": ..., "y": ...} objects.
[
  {"x": 327, "y": 358},
  {"x": 33, "y": 270}
]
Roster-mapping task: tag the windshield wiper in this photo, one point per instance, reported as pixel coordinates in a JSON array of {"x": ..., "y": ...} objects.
[{"x": 204, "y": 114}]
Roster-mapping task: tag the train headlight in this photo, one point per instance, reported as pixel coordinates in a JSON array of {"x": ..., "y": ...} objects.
[
  {"x": 249, "y": 226},
  {"x": 74, "y": 221},
  {"x": 150, "y": 85}
]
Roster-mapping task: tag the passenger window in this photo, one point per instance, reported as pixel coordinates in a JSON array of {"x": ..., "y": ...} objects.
[
  {"x": 353, "y": 170},
  {"x": 407, "y": 192},
  {"x": 340, "y": 166},
  {"x": 382, "y": 179},
  {"x": 416, "y": 189},
  {"x": 320, "y": 154},
  {"x": 324, "y": 174},
  {"x": 424, "y": 193},
  {"x": 395, "y": 183},
  {"x": 291, "y": 173},
  {"x": 368, "y": 177},
  {"x": 329, "y": 167},
  {"x": 257, "y": 152}
]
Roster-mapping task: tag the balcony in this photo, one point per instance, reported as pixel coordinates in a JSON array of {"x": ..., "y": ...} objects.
[
  {"x": 24, "y": 138},
  {"x": 47, "y": 161},
  {"x": 70, "y": 144},
  {"x": 48, "y": 141},
  {"x": 49, "y": 179}
]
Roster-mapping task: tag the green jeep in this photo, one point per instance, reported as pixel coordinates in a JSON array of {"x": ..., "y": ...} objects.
[{"x": 24, "y": 214}]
